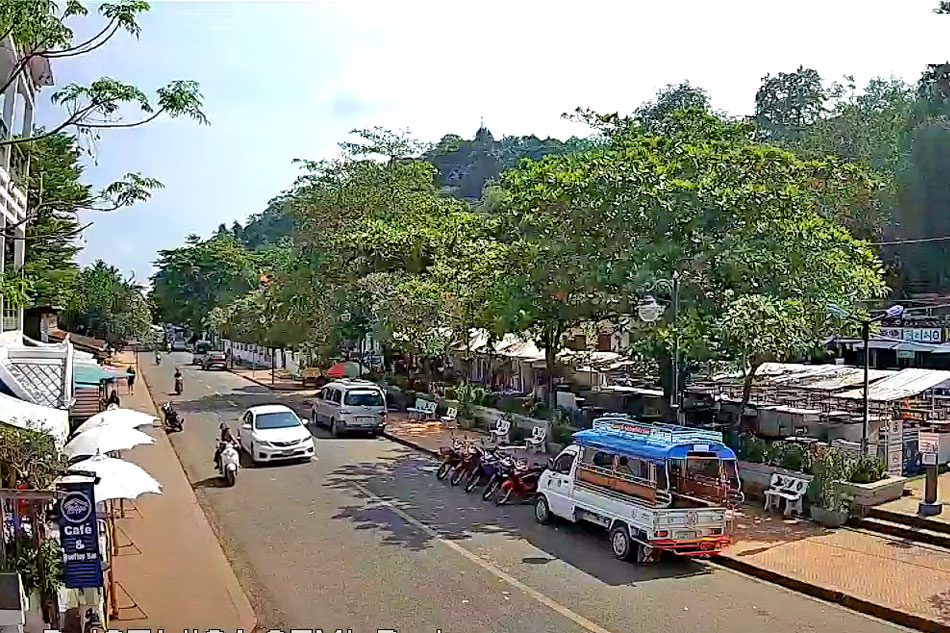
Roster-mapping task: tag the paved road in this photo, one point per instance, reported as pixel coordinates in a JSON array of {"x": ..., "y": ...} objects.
[{"x": 366, "y": 538}]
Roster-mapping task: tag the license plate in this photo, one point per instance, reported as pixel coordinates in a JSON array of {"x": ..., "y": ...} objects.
[
  {"x": 686, "y": 535},
  {"x": 366, "y": 421}
]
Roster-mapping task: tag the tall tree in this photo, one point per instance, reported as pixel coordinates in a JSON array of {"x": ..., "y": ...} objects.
[{"x": 787, "y": 103}]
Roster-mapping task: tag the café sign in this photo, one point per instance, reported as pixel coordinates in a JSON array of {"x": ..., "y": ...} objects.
[{"x": 931, "y": 335}]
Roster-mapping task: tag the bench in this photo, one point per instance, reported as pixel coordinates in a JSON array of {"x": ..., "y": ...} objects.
[
  {"x": 448, "y": 420},
  {"x": 788, "y": 487},
  {"x": 423, "y": 410},
  {"x": 499, "y": 434},
  {"x": 536, "y": 441}
]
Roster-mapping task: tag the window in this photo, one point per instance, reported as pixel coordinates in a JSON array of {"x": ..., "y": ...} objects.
[
  {"x": 563, "y": 463},
  {"x": 604, "y": 342},
  {"x": 698, "y": 466},
  {"x": 364, "y": 398},
  {"x": 277, "y": 420},
  {"x": 633, "y": 467},
  {"x": 335, "y": 395},
  {"x": 604, "y": 460}
]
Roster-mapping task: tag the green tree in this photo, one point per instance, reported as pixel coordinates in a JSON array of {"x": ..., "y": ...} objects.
[
  {"x": 108, "y": 306},
  {"x": 42, "y": 31},
  {"x": 787, "y": 103}
]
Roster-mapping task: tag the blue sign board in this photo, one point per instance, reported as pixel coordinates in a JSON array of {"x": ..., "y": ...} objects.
[{"x": 79, "y": 535}]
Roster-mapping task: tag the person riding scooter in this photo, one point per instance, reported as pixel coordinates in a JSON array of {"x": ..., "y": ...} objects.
[
  {"x": 158, "y": 357},
  {"x": 225, "y": 437},
  {"x": 179, "y": 382}
]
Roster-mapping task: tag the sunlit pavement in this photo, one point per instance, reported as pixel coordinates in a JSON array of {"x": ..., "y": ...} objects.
[{"x": 364, "y": 537}]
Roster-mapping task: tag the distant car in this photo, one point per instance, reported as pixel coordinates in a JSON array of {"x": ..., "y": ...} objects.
[
  {"x": 178, "y": 345},
  {"x": 273, "y": 432},
  {"x": 215, "y": 360},
  {"x": 350, "y": 405}
]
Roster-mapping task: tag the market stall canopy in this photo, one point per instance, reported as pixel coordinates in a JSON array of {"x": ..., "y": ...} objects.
[
  {"x": 118, "y": 479},
  {"x": 128, "y": 418},
  {"x": 906, "y": 383},
  {"x": 26, "y": 415},
  {"x": 93, "y": 374},
  {"x": 105, "y": 439}
]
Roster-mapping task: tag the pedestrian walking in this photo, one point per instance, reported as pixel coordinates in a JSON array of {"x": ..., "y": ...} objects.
[{"x": 131, "y": 379}]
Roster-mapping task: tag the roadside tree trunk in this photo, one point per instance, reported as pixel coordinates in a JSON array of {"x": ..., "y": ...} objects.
[{"x": 746, "y": 395}]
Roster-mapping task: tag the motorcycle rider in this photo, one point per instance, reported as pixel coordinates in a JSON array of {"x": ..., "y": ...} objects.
[
  {"x": 225, "y": 438},
  {"x": 179, "y": 379},
  {"x": 158, "y": 357}
]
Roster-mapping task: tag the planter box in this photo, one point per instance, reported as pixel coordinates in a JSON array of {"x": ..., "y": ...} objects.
[
  {"x": 828, "y": 518},
  {"x": 868, "y": 495},
  {"x": 756, "y": 477}
]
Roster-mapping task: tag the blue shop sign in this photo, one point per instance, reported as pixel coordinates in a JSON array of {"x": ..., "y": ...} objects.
[{"x": 79, "y": 535}]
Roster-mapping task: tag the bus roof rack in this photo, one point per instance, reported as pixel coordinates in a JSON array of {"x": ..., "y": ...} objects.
[{"x": 658, "y": 432}]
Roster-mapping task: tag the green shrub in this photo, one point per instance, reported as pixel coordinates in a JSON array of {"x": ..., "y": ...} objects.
[
  {"x": 561, "y": 434},
  {"x": 517, "y": 435},
  {"x": 866, "y": 469},
  {"x": 754, "y": 450},
  {"x": 450, "y": 393},
  {"x": 791, "y": 457}
]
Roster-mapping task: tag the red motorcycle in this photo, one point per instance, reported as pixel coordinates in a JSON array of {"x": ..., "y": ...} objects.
[
  {"x": 523, "y": 481},
  {"x": 451, "y": 458}
]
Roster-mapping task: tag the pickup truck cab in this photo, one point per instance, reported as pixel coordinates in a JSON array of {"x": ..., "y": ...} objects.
[{"x": 655, "y": 487}]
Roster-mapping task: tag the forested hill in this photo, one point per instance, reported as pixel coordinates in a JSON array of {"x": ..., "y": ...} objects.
[{"x": 465, "y": 166}]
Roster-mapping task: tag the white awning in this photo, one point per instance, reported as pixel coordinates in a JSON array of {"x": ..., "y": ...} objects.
[
  {"x": 27, "y": 415},
  {"x": 904, "y": 384}
]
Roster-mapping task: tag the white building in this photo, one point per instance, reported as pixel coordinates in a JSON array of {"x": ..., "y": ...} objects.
[{"x": 17, "y": 104}]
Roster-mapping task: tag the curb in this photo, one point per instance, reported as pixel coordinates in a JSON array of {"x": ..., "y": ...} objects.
[
  {"x": 816, "y": 591},
  {"x": 831, "y": 595},
  {"x": 410, "y": 444}
]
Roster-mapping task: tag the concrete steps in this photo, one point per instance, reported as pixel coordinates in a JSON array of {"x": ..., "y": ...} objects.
[{"x": 911, "y": 528}]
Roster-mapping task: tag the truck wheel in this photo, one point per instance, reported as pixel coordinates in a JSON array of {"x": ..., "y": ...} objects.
[
  {"x": 542, "y": 513},
  {"x": 620, "y": 542}
]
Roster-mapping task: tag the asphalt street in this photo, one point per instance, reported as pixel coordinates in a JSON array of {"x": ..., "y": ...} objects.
[{"x": 364, "y": 538}]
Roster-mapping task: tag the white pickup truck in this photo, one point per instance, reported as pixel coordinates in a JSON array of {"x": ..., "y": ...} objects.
[{"x": 655, "y": 487}]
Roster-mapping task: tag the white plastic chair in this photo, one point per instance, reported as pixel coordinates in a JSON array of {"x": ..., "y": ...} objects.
[
  {"x": 499, "y": 434},
  {"x": 536, "y": 441},
  {"x": 449, "y": 419}
]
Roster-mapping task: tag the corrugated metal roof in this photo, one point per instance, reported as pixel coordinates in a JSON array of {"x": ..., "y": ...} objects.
[{"x": 904, "y": 384}]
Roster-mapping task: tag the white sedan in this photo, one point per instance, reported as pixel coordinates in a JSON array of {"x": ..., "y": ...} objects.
[{"x": 272, "y": 432}]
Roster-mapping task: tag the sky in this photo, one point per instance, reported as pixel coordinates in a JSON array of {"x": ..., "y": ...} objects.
[{"x": 286, "y": 80}]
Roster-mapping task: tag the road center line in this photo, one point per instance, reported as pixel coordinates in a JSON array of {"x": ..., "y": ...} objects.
[{"x": 578, "y": 619}]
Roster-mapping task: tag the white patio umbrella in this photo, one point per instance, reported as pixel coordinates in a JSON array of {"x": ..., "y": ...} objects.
[
  {"x": 105, "y": 439},
  {"x": 118, "y": 479},
  {"x": 120, "y": 417}
]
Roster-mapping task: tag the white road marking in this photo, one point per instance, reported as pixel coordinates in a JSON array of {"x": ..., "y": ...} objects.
[
  {"x": 232, "y": 403},
  {"x": 559, "y": 608}
]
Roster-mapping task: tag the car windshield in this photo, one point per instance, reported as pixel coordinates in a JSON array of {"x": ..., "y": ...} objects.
[
  {"x": 276, "y": 420},
  {"x": 365, "y": 398}
]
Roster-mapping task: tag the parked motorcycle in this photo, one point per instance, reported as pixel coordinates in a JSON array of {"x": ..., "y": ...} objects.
[
  {"x": 503, "y": 470},
  {"x": 470, "y": 461},
  {"x": 172, "y": 421},
  {"x": 451, "y": 457},
  {"x": 523, "y": 482},
  {"x": 484, "y": 470},
  {"x": 228, "y": 462}
]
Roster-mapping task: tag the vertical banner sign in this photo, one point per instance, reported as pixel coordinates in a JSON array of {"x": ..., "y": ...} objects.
[
  {"x": 79, "y": 535},
  {"x": 895, "y": 447}
]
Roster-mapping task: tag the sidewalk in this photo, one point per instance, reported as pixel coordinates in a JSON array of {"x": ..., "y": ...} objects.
[
  {"x": 170, "y": 562},
  {"x": 889, "y": 578},
  {"x": 915, "y": 487},
  {"x": 429, "y": 436},
  {"x": 281, "y": 380}
]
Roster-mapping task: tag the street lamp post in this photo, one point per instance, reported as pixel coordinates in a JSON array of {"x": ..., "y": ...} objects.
[{"x": 893, "y": 311}]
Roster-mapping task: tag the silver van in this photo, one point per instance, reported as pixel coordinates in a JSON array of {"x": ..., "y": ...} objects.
[{"x": 350, "y": 405}]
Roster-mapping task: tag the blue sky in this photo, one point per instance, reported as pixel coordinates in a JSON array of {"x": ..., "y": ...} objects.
[{"x": 285, "y": 80}]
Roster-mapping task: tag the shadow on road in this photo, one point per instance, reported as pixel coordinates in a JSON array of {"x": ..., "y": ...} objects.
[
  {"x": 407, "y": 481},
  {"x": 210, "y": 482}
]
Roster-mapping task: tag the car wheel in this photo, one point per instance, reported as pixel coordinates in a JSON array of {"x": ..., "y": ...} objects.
[
  {"x": 541, "y": 510},
  {"x": 620, "y": 543}
]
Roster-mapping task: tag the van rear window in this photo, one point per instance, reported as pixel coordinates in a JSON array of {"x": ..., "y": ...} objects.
[{"x": 364, "y": 398}]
